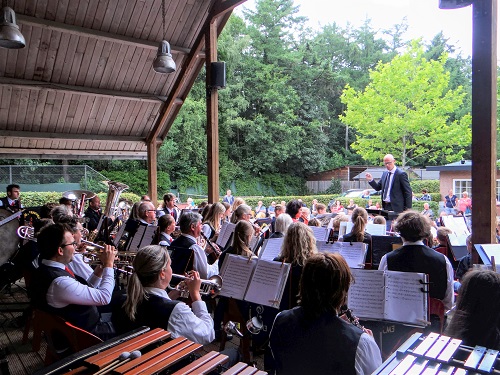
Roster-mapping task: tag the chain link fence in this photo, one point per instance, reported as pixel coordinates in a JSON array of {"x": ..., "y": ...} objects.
[{"x": 52, "y": 178}]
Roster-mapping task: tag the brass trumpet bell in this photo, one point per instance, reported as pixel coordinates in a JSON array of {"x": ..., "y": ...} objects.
[{"x": 77, "y": 194}]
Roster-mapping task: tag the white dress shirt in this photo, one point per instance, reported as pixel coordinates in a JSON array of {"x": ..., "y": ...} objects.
[
  {"x": 200, "y": 262},
  {"x": 448, "y": 297},
  {"x": 368, "y": 357},
  {"x": 196, "y": 324},
  {"x": 82, "y": 269},
  {"x": 65, "y": 290}
]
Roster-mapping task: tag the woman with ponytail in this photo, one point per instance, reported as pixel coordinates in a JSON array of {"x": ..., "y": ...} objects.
[
  {"x": 148, "y": 304},
  {"x": 359, "y": 219},
  {"x": 243, "y": 233}
]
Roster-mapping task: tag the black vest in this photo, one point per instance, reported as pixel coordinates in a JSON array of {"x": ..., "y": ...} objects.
[
  {"x": 326, "y": 345},
  {"x": 418, "y": 258},
  {"x": 153, "y": 312},
  {"x": 6, "y": 204},
  {"x": 181, "y": 255},
  {"x": 85, "y": 317}
]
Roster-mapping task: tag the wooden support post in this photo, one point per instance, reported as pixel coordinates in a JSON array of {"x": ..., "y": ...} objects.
[
  {"x": 484, "y": 127},
  {"x": 152, "y": 172},
  {"x": 212, "y": 116}
]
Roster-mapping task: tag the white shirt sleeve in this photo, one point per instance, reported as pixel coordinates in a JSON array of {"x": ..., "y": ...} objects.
[
  {"x": 383, "y": 264},
  {"x": 196, "y": 325},
  {"x": 449, "y": 295},
  {"x": 201, "y": 265},
  {"x": 368, "y": 357},
  {"x": 65, "y": 290},
  {"x": 207, "y": 231}
]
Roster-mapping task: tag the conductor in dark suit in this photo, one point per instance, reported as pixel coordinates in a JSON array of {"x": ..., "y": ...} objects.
[{"x": 395, "y": 186}]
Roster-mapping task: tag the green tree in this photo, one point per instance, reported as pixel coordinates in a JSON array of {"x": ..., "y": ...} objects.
[{"x": 406, "y": 110}]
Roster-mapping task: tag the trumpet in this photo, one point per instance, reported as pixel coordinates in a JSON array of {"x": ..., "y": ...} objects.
[{"x": 210, "y": 287}]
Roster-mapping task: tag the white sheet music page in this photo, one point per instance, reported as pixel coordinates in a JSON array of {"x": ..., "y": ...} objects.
[
  {"x": 354, "y": 253},
  {"x": 366, "y": 294},
  {"x": 225, "y": 233},
  {"x": 267, "y": 283},
  {"x": 236, "y": 272},
  {"x": 271, "y": 248},
  {"x": 405, "y": 297},
  {"x": 376, "y": 229},
  {"x": 326, "y": 247},
  {"x": 136, "y": 241},
  {"x": 320, "y": 233}
]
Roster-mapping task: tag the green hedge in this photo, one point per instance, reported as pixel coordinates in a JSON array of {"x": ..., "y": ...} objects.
[{"x": 33, "y": 199}]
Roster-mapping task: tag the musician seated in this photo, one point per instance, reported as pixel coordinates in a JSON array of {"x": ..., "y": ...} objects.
[
  {"x": 339, "y": 218},
  {"x": 166, "y": 226},
  {"x": 359, "y": 218},
  {"x": 148, "y": 304},
  {"x": 212, "y": 223},
  {"x": 414, "y": 256},
  {"x": 312, "y": 338},
  {"x": 147, "y": 213},
  {"x": 190, "y": 226},
  {"x": 12, "y": 201},
  {"x": 57, "y": 290},
  {"x": 93, "y": 213},
  {"x": 464, "y": 264},
  {"x": 169, "y": 207},
  {"x": 282, "y": 223},
  {"x": 476, "y": 319},
  {"x": 243, "y": 233}
]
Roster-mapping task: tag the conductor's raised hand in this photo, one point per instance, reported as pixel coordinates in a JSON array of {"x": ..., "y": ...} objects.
[
  {"x": 193, "y": 283},
  {"x": 108, "y": 256},
  {"x": 369, "y": 177}
]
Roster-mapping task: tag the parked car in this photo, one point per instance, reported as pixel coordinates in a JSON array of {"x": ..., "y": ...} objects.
[{"x": 358, "y": 193}]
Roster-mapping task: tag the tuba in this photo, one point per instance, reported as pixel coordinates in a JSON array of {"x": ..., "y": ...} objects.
[{"x": 114, "y": 191}]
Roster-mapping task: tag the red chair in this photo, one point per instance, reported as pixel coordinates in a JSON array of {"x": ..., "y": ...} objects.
[
  {"x": 436, "y": 310},
  {"x": 63, "y": 338}
]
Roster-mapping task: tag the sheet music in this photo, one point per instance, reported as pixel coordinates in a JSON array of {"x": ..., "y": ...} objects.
[
  {"x": 225, "y": 233},
  {"x": 236, "y": 272},
  {"x": 343, "y": 228},
  {"x": 254, "y": 242},
  {"x": 267, "y": 283},
  {"x": 271, "y": 248},
  {"x": 366, "y": 294},
  {"x": 376, "y": 229},
  {"x": 135, "y": 243},
  {"x": 354, "y": 253},
  {"x": 320, "y": 233},
  {"x": 492, "y": 250},
  {"x": 326, "y": 247},
  {"x": 457, "y": 224},
  {"x": 149, "y": 236},
  {"x": 119, "y": 235},
  {"x": 405, "y": 301}
]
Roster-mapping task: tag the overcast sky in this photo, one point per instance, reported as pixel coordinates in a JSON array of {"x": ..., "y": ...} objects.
[{"x": 424, "y": 17}]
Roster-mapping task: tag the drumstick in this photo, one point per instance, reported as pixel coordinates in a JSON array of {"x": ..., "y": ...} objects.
[
  {"x": 121, "y": 357},
  {"x": 135, "y": 354}
]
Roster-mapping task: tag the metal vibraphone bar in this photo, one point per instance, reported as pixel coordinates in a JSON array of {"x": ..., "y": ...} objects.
[{"x": 439, "y": 355}]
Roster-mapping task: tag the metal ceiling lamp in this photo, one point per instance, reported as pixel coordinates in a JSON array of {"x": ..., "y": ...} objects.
[
  {"x": 163, "y": 62},
  {"x": 10, "y": 36},
  {"x": 454, "y": 4}
]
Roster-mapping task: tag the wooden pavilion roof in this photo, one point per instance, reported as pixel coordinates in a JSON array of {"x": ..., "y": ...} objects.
[{"x": 84, "y": 86}]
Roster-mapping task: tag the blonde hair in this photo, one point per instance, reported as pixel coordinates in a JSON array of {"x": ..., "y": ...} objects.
[
  {"x": 242, "y": 231},
  {"x": 213, "y": 215},
  {"x": 148, "y": 263},
  {"x": 238, "y": 202},
  {"x": 239, "y": 212},
  {"x": 299, "y": 243},
  {"x": 338, "y": 219}
]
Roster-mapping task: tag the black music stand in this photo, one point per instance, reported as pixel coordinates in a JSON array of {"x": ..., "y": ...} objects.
[{"x": 389, "y": 215}]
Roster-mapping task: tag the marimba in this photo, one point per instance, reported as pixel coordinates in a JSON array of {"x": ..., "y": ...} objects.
[
  {"x": 157, "y": 353},
  {"x": 438, "y": 354}
]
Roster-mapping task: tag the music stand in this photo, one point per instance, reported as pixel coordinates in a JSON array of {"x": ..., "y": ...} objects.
[{"x": 389, "y": 215}]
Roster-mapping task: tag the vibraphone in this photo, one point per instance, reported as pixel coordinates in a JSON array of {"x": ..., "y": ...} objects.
[
  {"x": 151, "y": 352},
  {"x": 439, "y": 355}
]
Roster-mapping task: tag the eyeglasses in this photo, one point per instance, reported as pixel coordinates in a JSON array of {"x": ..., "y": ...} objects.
[
  {"x": 151, "y": 210},
  {"x": 69, "y": 244},
  {"x": 388, "y": 162}
]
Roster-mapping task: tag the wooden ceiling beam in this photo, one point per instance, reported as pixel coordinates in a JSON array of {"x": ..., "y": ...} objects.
[
  {"x": 58, "y": 87},
  {"x": 73, "y": 137},
  {"x": 97, "y": 34},
  {"x": 13, "y": 153}
]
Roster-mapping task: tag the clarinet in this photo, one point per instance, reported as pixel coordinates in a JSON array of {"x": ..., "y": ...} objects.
[
  {"x": 353, "y": 319},
  {"x": 216, "y": 252}
]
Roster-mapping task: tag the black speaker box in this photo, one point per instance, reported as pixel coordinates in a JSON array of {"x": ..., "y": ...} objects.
[{"x": 218, "y": 78}]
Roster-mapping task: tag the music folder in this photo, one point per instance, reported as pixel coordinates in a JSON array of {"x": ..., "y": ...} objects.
[
  {"x": 144, "y": 236},
  {"x": 390, "y": 296},
  {"x": 254, "y": 280},
  {"x": 354, "y": 253}
]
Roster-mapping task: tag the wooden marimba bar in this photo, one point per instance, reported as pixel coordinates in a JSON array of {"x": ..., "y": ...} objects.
[
  {"x": 439, "y": 355},
  {"x": 161, "y": 358}
]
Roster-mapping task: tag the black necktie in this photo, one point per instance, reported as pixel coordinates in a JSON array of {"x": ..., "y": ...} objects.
[{"x": 386, "y": 185}]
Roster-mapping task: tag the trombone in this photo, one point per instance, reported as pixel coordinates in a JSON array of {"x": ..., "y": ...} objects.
[{"x": 210, "y": 287}]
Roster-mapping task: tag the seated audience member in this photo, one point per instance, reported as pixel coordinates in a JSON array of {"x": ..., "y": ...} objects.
[
  {"x": 427, "y": 211},
  {"x": 293, "y": 208},
  {"x": 337, "y": 207},
  {"x": 278, "y": 210},
  {"x": 476, "y": 319},
  {"x": 282, "y": 223},
  {"x": 190, "y": 226},
  {"x": 305, "y": 215},
  {"x": 312, "y": 338},
  {"x": 351, "y": 206},
  {"x": 414, "y": 256},
  {"x": 464, "y": 264},
  {"x": 260, "y": 208},
  {"x": 425, "y": 196},
  {"x": 148, "y": 304},
  {"x": 57, "y": 290},
  {"x": 166, "y": 226},
  {"x": 271, "y": 208},
  {"x": 359, "y": 219}
]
